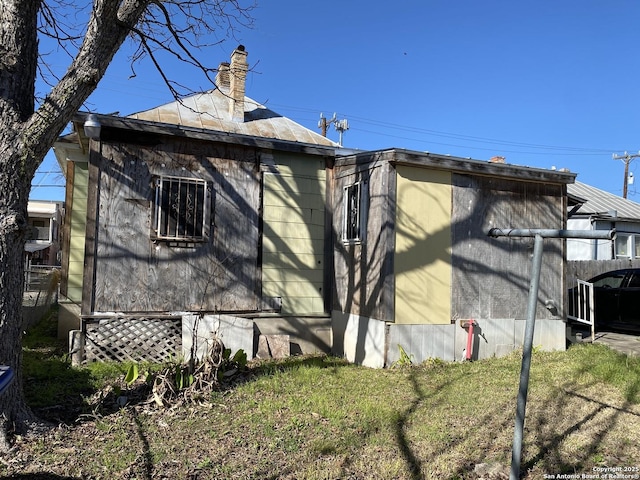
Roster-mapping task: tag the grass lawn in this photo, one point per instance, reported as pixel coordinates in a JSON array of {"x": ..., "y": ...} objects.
[{"x": 321, "y": 418}]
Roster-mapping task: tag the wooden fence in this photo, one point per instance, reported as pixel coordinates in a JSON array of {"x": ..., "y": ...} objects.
[{"x": 587, "y": 269}]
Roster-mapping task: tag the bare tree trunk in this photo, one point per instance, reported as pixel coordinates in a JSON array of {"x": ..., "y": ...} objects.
[
  {"x": 25, "y": 137},
  {"x": 26, "y": 134},
  {"x": 13, "y": 221},
  {"x": 18, "y": 63}
]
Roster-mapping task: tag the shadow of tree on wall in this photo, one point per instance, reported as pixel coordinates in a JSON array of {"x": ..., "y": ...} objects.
[
  {"x": 134, "y": 273},
  {"x": 490, "y": 277},
  {"x": 217, "y": 274}
]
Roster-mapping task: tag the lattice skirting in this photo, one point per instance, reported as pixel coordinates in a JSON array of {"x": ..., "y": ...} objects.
[{"x": 134, "y": 339}]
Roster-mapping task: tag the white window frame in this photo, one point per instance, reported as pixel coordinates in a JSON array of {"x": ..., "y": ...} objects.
[
  {"x": 618, "y": 242},
  {"x": 632, "y": 243},
  {"x": 174, "y": 217},
  {"x": 360, "y": 213}
]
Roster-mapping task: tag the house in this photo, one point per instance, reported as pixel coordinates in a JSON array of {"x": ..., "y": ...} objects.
[
  {"x": 41, "y": 259},
  {"x": 413, "y": 259},
  {"x": 202, "y": 215},
  {"x": 215, "y": 214},
  {"x": 44, "y": 220},
  {"x": 593, "y": 209},
  {"x": 590, "y": 208}
]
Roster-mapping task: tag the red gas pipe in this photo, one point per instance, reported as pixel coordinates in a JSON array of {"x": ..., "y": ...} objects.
[{"x": 468, "y": 326}]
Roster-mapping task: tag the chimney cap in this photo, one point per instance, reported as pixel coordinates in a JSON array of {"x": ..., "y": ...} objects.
[{"x": 241, "y": 48}]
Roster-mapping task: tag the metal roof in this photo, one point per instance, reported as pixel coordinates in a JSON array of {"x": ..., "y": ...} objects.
[
  {"x": 210, "y": 111},
  {"x": 599, "y": 202}
]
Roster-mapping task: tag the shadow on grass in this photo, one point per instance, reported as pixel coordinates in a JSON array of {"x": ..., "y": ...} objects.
[
  {"x": 412, "y": 460},
  {"x": 600, "y": 418},
  {"x": 47, "y": 370},
  {"x": 38, "y": 476}
]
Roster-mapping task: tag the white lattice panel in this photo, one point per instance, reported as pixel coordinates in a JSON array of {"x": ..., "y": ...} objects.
[{"x": 134, "y": 339}]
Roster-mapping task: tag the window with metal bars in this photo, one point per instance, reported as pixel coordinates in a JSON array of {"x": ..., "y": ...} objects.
[
  {"x": 182, "y": 209},
  {"x": 352, "y": 224}
]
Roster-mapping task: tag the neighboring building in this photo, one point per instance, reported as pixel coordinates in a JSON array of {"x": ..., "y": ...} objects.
[
  {"x": 202, "y": 215},
  {"x": 41, "y": 259},
  {"x": 593, "y": 209},
  {"x": 413, "y": 259},
  {"x": 44, "y": 219}
]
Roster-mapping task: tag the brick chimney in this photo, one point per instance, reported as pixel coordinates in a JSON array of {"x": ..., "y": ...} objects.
[
  {"x": 222, "y": 78},
  {"x": 237, "y": 77}
]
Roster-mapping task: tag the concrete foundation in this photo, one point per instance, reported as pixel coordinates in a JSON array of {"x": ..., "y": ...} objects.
[
  {"x": 68, "y": 317},
  {"x": 373, "y": 343}
]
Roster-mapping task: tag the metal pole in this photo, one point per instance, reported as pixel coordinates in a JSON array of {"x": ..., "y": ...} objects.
[
  {"x": 550, "y": 233},
  {"x": 527, "y": 347}
]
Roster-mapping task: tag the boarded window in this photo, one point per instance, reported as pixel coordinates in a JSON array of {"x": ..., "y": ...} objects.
[
  {"x": 351, "y": 231},
  {"x": 183, "y": 209}
]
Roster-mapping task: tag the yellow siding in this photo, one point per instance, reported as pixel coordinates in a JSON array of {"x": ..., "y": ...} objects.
[
  {"x": 423, "y": 246},
  {"x": 304, "y": 261},
  {"x": 77, "y": 231},
  {"x": 283, "y": 274},
  {"x": 293, "y": 240}
]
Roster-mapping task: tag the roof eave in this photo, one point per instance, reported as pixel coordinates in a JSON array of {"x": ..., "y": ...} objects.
[
  {"x": 209, "y": 135},
  {"x": 459, "y": 165}
]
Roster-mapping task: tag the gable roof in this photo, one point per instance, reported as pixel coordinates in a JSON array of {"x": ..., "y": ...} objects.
[
  {"x": 210, "y": 111},
  {"x": 594, "y": 201}
]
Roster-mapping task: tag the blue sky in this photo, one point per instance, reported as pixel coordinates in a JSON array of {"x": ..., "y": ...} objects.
[{"x": 543, "y": 83}]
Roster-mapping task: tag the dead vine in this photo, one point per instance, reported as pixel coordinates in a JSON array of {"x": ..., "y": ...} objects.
[{"x": 176, "y": 384}]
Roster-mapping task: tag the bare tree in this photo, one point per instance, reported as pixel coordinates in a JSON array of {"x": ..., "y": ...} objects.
[{"x": 29, "y": 126}]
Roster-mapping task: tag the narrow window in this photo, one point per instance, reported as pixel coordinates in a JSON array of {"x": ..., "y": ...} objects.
[
  {"x": 182, "y": 209},
  {"x": 351, "y": 231},
  {"x": 622, "y": 246}
]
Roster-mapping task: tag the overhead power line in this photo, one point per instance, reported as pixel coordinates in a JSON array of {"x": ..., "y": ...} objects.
[{"x": 543, "y": 149}]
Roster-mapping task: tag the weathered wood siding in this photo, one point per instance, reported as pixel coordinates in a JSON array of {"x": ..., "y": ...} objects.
[
  {"x": 77, "y": 223},
  {"x": 491, "y": 276},
  {"x": 293, "y": 248},
  {"x": 422, "y": 260},
  {"x": 364, "y": 283},
  {"x": 134, "y": 273}
]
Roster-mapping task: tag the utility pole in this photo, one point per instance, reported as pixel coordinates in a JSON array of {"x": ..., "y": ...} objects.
[
  {"x": 626, "y": 158},
  {"x": 323, "y": 123}
]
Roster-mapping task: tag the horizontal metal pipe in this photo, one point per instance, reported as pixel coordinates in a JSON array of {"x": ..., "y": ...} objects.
[{"x": 551, "y": 233}]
